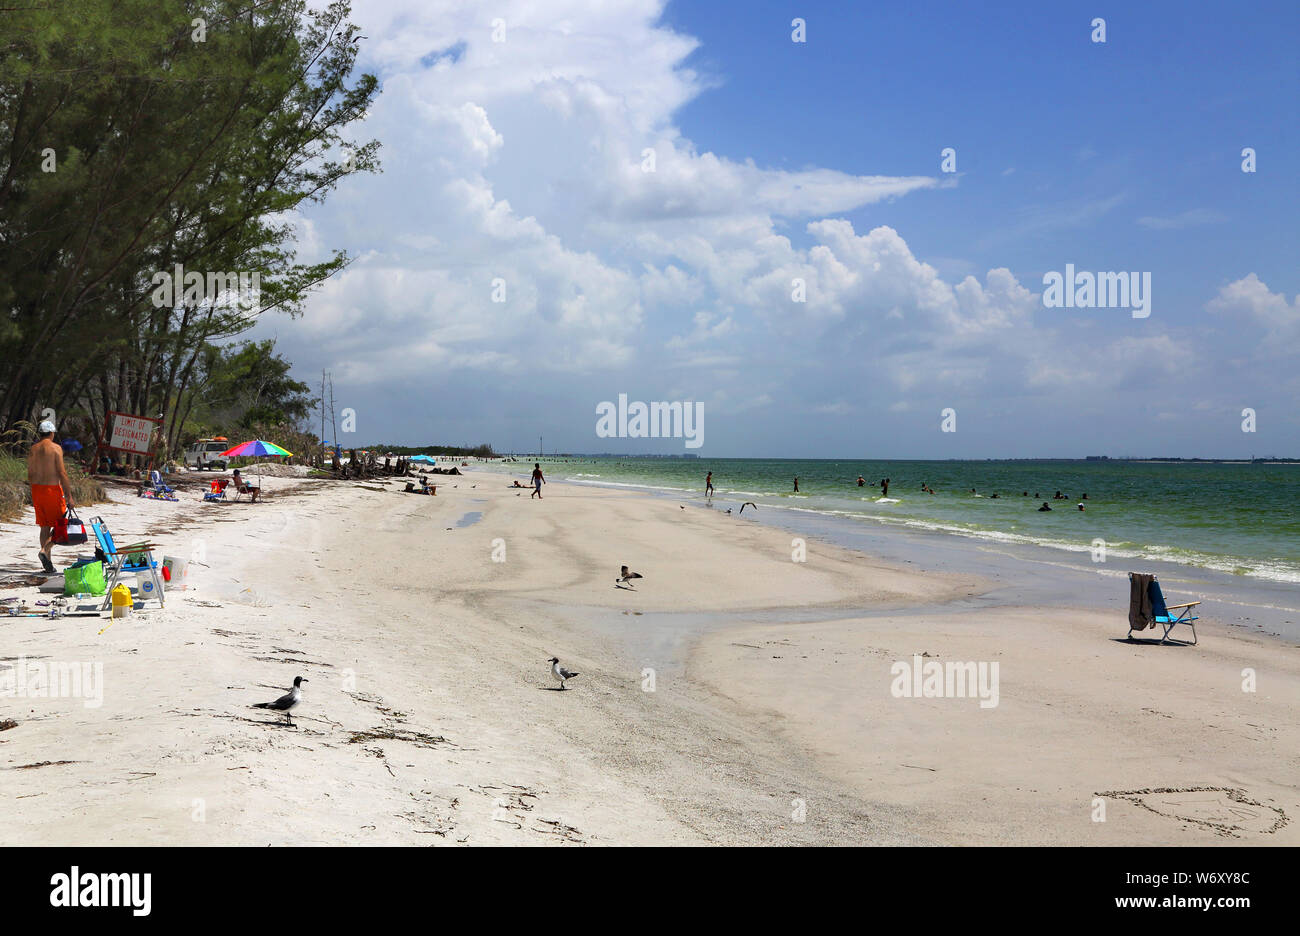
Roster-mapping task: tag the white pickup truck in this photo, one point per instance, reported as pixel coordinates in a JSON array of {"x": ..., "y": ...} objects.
[{"x": 205, "y": 454}]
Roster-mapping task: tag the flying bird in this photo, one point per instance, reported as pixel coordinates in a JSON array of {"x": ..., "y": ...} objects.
[
  {"x": 625, "y": 577},
  {"x": 287, "y": 702},
  {"x": 748, "y": 504},
  {"x": 559, "y": 672}
]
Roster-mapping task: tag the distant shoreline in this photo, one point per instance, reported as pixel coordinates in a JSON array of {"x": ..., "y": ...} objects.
[{"x": 1064, "y": 461}]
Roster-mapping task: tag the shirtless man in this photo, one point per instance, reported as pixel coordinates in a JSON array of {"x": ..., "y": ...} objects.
[{"x": 51, "y": 490}]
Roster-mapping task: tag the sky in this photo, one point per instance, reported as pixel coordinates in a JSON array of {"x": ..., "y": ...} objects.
[{"x": 837, "y": 246}]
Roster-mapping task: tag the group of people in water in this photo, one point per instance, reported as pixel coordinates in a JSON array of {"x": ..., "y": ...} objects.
[{"x": 884, "y": 483}]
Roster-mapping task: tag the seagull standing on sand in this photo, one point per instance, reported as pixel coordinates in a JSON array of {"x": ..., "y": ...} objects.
[
  {"x": 559, "y": 672},
  {"x": 287, "y": 702},
  {"x": 625, "y": 577}
]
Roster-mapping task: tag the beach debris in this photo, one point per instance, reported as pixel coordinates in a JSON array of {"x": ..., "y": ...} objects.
[
  {"x": 46, "y": 763},
  {"x": 625, "y": 577},
  {"x": 287, "y": 702},
  {"x": 559, "y": 672},
  {"x": 386, "y": 733},
  {"x": 566, "y": 832}
]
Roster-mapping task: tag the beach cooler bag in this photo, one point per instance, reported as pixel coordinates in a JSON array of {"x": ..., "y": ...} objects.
[
  {"x": 70, "y": 531},
  {"x": 86, "y": 577}
]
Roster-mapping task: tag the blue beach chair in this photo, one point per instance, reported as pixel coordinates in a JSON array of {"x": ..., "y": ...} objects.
[
  {"x": 136, "y": 560},
  {"x": 1163, "y": 615}
]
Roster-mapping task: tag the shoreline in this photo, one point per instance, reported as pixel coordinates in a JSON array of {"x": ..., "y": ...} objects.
[
  {"x": 430, "y": 717},
  {"x": 1269, "y": 606}
]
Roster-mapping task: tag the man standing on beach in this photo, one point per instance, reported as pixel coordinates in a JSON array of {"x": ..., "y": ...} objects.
[
  {"x": 708, "y": 485},
  {"x": 538, "y": 481},
  {"x": 51, "y": 490}
]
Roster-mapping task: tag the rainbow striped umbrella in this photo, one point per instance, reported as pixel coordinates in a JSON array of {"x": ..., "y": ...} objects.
[{"x": 256, "y": 447}]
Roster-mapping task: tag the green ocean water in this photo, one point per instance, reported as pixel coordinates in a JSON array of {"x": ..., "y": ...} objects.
[{"x": 1242, "y": 519}]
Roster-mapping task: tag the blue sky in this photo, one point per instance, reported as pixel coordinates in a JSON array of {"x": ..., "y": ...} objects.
[{"x": 520, "y": 161}]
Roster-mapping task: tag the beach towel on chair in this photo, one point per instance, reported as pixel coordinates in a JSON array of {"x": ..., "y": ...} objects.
[{"x": 1139, "y": 601}]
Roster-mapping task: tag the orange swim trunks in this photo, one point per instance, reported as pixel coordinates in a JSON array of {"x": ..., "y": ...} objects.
[{"x": 49, "y": 504}]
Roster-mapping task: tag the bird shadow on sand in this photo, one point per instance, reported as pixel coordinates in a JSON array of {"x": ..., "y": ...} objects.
[{"x": 553, "y": 689}]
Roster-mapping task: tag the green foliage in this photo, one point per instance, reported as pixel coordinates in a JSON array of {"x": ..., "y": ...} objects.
[
  {"x": 242, "y": 386},
  {"x": 128, "y": 148}
]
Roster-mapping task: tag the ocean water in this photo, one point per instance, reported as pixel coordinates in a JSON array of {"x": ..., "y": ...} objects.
[{"x": 1241, "y": 519}]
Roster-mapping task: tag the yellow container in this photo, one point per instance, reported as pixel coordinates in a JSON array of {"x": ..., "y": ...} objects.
[{"x": 122, "y": 602}]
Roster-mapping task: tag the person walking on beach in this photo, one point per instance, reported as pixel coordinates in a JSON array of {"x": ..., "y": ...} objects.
[
  {"x": 538, "y": 481},
  {"x": 51, "y": 490},
  {"x": 708, "y": 485}
]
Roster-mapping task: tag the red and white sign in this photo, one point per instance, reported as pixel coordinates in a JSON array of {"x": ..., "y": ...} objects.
[{"x": 131, "y": 433}]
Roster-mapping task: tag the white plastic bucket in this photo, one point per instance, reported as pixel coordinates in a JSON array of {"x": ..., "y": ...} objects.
[
  {"x": 144, "y": 586},
  {"x": 177, "y": 569}
]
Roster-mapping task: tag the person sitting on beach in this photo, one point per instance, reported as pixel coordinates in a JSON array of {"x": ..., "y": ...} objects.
[
  {"x": 1044, "y": 507},
  {"x": 251, "y": 490}
]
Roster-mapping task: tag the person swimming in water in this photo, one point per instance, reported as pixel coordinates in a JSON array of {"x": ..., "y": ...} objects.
[
  {"x": 1044, "y": 507},
  {"x": 861, "y": 481}
]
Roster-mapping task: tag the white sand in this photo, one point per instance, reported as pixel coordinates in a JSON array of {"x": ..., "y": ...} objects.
[{"x": 430, "y": 716}]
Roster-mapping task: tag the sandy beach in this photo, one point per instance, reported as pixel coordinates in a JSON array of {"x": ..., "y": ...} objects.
[{"x": 735, "y": 696}]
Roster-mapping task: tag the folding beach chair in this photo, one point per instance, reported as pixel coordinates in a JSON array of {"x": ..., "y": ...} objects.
[
  {"x": 1142, "y": 615},
  {"x": 218, "y": 491},
  {"x": 135, "y": 560},
  {"x": 156, "y": 489}
]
